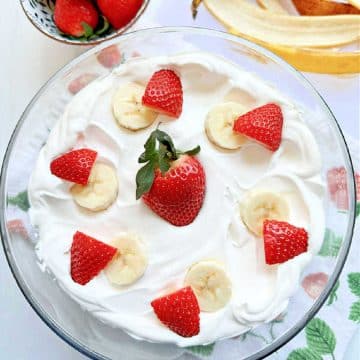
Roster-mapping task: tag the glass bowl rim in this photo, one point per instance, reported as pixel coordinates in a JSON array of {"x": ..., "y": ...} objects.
[{"x": 341, "y": 258}]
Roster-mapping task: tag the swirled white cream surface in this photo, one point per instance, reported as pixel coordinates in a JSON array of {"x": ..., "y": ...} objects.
[{"x": 259, "y": 292}]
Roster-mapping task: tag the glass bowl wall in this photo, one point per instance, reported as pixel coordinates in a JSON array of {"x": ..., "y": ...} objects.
[{"x": 62, "y": 314}]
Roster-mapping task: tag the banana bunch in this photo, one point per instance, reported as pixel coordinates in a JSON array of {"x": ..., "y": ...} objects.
[
  {"x": 259, "y": 205},
  {"x": 128, "y": 109},
  {"x": 130, "y": 263},
  {"x": 210, "y": 283},
  {"x": 101, "y": 190},
  {"x": 219, "y": 125}
]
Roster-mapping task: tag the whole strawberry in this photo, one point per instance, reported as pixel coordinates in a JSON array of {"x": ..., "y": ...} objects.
[
  {"x": 263, "y": 124},
  {"x": 75, "y": 17},
  {"x": 172, "y": 183},
  {"x": 179, "y": 311},
  {"x": 88, "y": 257},
  {"x": 119, "y": 12},
  {"x": 164, "y": 93},
  {"x": 283, "y": 241},
  {"x": 74, "y": 166}
]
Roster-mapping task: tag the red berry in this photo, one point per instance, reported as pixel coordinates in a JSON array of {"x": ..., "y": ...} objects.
[
  {"x": 263, "y": 124},
  {"x": 70, "y": 15},
  {"x": 74, "y": 166},
  {"x": 119, "y": 12},
  {"x": 178, "y": 195},
  {"x": 179, "y": 311},
  {"x": 283, "y": 241},
  {"x": 88, "y": 257},
  {"x": 164, "y": 93}
]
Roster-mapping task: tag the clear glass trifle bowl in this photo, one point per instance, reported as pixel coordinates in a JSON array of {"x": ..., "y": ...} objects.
[{"x": 62, "y": 314}]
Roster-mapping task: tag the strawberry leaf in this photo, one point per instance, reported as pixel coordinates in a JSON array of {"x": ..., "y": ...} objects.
[
  {"x": 164, "y": 161},
  {"x": 357, "y": 212},
  {"x": 88, "y": 30},
  {"x": 166, "y": 140},
  {"x": 157, "y": 157},
  {"x": 150, "y": 149},
  {"x": 105, "y": 26},
  {"x": 144, "y": 179},
  {"x": 193, "y": 151}
]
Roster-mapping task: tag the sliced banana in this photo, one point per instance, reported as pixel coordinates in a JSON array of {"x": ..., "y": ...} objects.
[
  {"x": 128, "y": 109},
  {"x": 219, "y": 125},
  {"x": 210, "y": 283},
  {"x": 259, "y": 205},
  {"x": 101, "y": 190},
  {"x": 130, "y": 263}
]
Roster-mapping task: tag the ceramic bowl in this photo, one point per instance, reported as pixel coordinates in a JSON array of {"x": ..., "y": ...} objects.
[{"x": 40, "y": 13}]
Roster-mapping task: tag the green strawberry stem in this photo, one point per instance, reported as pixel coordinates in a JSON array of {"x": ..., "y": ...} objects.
[{"x": 159, "y": 152}]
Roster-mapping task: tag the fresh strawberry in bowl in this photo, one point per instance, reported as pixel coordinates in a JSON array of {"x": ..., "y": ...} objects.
[
  {"x": 83, "y": 22},
  {"x": 172, "y": 182},
  {"x": 75, "y": 17},
  {"x": 119, "y": 12}
]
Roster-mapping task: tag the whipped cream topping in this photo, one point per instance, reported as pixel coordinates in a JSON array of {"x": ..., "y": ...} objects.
[{"x": 260, "y": 292}]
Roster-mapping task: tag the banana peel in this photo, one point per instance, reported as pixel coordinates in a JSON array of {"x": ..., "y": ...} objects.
[
  {"x": 355, "y": 3},
  {"x": 295, "y": 49},
  {"x": 322, "y": 61},
  {"x": 287, "y": 30},
  {"x": 322, "y": 7},
  {"x": 272, "y": 5}
]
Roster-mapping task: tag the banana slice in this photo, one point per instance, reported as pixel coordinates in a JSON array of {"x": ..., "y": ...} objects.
[
  {"x": 219, "y": 125},
  {"x": 210, "y": 283},
  {"x": 101, "y": 190},
  {"x": 259, "y": 205},
  {"x": 129, "y": 263},
  {"x": 128, "y": 109}
]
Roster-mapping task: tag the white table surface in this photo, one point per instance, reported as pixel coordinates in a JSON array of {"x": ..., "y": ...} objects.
[{"x": 28, "y": 58}]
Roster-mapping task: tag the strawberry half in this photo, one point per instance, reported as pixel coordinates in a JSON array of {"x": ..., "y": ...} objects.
[
  {"x": 88, "y": 257},
  {"x": 283, "y": 241},
  {"x": 119, "y": 12},
  {"x": 172, "y": 183},
  {"x": 179, "y": 311},
  {"x": 164, "y": 93},
  {"x": 75, "y": 17},
  {"x": 74, "y": 166},
  {"x": 263, "y": 124}
]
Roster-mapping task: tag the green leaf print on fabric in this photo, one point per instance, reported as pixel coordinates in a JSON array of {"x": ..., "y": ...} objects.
[
  {"x": 21, "y": 200},
  {"x": 333, "y": 296},
  {"x": 354, "y": 283},
  {"x": 320, "y": 341},
  {"x": 355, "y": 312},
  {"x": 320, "y": 337},
  {"x": 331, "y": 244},
  {"x": 205, "y": 350},
  {"x": 304, "y": 354}
]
